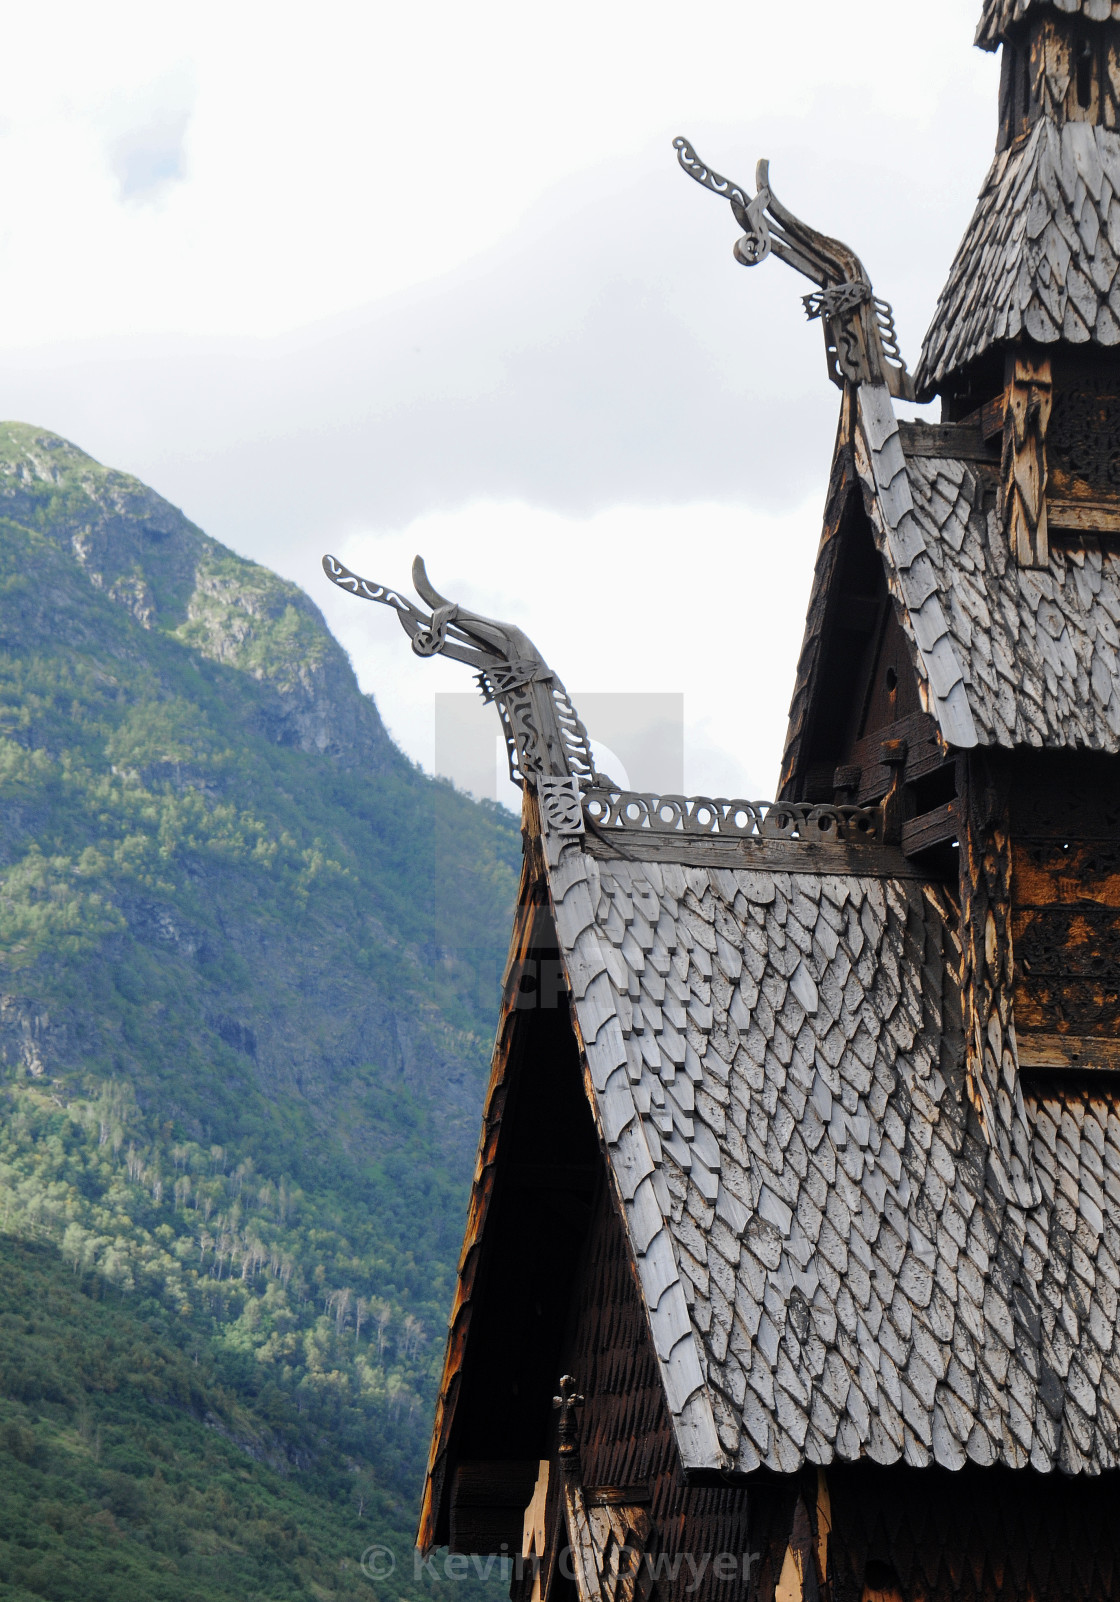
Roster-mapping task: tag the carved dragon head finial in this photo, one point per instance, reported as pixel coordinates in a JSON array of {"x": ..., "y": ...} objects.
[
  {"x": 859, "y": 332},
  {"x": 546, "y": 742}
]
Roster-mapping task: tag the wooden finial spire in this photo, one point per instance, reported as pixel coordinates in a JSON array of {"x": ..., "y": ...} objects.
[{"x": 859, "y": 331}]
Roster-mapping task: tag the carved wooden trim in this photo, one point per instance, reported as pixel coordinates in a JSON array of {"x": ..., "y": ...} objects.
[{"x": 1023, "y": 465}]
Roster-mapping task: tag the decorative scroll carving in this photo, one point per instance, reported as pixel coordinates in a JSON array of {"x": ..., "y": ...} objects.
[
  {"x": 860, "y": 339},
  {"x": 545, "y": 738},
  {"x": 1023, "y": 469},
  {"x": 750, "y": 211},
  {"x": 561, "y": 804},
  {"x": 987, "y": 977},
  {"x": 1083, "y": 439},
  {"x": 647, "y": 813}
]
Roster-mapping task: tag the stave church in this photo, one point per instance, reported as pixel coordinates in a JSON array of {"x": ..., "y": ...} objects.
[{"x": 792, "y": 1263}]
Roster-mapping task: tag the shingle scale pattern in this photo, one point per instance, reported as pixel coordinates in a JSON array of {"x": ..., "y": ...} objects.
[
  {"x": 1040, "y": 647},
  {"x": 1000, "y": 16},
  {"x": 778, "y": 1077},
  {"x": 1041, "y": 256}
]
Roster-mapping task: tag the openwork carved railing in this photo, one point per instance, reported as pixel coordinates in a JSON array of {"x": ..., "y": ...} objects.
[
  {"x": 645, "y": 813},
  {"x": 549, "y": 750}
]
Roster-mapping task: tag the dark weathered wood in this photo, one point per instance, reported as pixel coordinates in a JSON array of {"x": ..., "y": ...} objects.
[
  {"x": 974, "y": 1536},
  {"x": 858, "y": 614},
  {"x": 625, "y": 1438},
  {"x": 924, "y": 754},
  {"x": 521, "y": 1237},
  {"x": 930, "y": 829},
  {"x": 488, "y": 1501},
  {"x": 1068, "y": 1052},
  {"x": 780, "y": 856},
  {"x": 958, "y": 442},
  {"x": 434, "y": 1523},
  {"x": 617, "y": 1495},
  {"x": 1083, "y": 517},
  {"x": 1023, "y": 466},
  {"x": 1065, "y": 820},
  {"x": 987, "y": 972},
  {"x": 796, "y": 757}
]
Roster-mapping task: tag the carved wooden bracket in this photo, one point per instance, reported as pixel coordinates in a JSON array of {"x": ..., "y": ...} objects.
[
  {"x": 566, "y": 1404},
  {"x": 1023, "y": 468},
  {"x": 893, "y": 753}
]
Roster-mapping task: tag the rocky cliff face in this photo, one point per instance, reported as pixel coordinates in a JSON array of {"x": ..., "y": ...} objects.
[
  {"x": 217, "y": 874},
  {"x": 140, "y": 552}
]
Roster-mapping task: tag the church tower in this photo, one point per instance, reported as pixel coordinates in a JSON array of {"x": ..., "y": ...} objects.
[
  {"x": 1025, "y": 342},
  {"x": 962, "y": 661}
]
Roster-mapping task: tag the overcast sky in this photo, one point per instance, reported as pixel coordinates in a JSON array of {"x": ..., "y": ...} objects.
[{"x": 378, "y": 278}]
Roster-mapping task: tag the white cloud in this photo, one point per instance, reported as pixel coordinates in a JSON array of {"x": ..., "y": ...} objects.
[
  {"x": 616, "y": 602},
  {"x": 351, "y": 155},
  {"x": 392, "y": 276}
]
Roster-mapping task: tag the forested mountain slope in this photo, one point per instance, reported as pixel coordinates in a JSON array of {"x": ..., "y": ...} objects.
[{"x": 248, "y": 963}]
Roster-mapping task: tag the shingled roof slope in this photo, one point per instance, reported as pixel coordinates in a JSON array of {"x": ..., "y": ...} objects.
[
  {"x": 1041, "y": 256},
  {"x": 1040, "y": 647},
  {"x": 1000, "y": 16},
  {"x": 829, "y": 1271},
  {"x": 1034, "y": 654}
]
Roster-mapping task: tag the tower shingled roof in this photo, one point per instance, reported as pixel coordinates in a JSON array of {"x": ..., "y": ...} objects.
[
  {"x": 1041, "y": 256},
  {"x": 999, "y": 16},
  {"x": 1040, "y": 259}
]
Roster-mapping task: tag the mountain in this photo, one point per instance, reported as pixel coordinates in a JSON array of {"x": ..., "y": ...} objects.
[{"x": 249, "y": 960}]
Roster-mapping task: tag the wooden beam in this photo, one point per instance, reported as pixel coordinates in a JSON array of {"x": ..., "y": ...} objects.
[
  {"x": 618, "y": 1495},
  {"x": 957, "y": 442},
  {"x": 923, "y": 755},
  {"x": 771, "y": 856},
  {"x": 936, "y": 827},
  {"x": 488, "y": 1503},
  {"x": 1069, "y": 1053},
  {"x": 987, "y": 420},
  {"x": 1083, "y": 517}
]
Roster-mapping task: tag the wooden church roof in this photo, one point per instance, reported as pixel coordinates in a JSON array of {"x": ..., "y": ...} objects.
[
  {"x": 1039, "y": 259},
  {"x": 1040, "y": 256},
  {"x": 830, "y": 1270},
  {"x": 767, "y": 1007},
  {"x": 1000, "y": 16},
  {"x": 1006, "y": 655},
  {"x": 1039, "y": 649}
]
